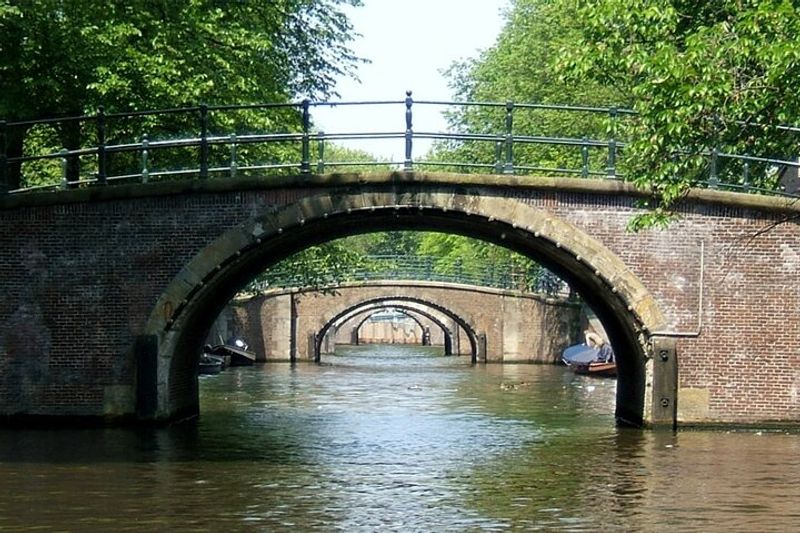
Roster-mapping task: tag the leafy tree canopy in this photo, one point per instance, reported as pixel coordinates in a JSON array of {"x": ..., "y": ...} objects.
[
  {"x": 68, "y": 57},
  {"x": 521, "y": 68},
  {"x": 62, "y": 57},
  {"x": 697, "y": 73},
  {"x": 701, "y": 76}
]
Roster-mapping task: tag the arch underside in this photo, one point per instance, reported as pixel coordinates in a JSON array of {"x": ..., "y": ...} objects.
[{"x": 187, "y": 308}]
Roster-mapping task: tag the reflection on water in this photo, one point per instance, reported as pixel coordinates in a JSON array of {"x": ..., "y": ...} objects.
[{"x": 399, "y": 438}]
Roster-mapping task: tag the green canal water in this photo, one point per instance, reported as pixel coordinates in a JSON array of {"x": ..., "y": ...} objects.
[{"x": 394, "y": 438}]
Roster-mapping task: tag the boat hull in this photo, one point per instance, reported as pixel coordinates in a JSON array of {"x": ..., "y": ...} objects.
[{"x": 596, "y": 369}]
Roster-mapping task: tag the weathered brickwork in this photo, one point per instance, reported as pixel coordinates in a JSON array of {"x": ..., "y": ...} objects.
[
  {"x": 741, "y": 350},
  {"x": 81, "y": 274}
]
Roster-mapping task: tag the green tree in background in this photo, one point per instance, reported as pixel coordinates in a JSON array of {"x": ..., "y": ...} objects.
[
  {"x": 68, "y": 57},
  {"x": 701, "y": 75},
  {"x": 521, "y": 67},
  {"x": 408, "y": 255}
]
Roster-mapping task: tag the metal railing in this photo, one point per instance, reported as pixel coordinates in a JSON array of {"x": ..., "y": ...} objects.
[
  {"x": 229, "y": 140},
  {"x": 289, "y": 274}
]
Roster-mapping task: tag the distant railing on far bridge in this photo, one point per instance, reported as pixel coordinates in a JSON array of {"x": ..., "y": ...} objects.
[
  {"x": 288, "y": 274},
  {"x": 273, "y": 138}
]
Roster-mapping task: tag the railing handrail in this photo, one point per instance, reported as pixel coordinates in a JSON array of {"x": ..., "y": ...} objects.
[
  {"x": 505, "y": 139},
  {"x": 288, "y": 274}
]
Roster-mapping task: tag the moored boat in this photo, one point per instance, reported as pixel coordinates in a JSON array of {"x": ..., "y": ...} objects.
[
  {"x": 233, "y": 355},
  {"x": 209, "y": 365},
  {"x": 584, "y": 359},
  {"x": 596, "y": 368}
]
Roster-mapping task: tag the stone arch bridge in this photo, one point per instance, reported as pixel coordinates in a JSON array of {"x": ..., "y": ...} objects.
[
  {"x": 108, "y": 292},
  {"x": 488, "y": 324}
]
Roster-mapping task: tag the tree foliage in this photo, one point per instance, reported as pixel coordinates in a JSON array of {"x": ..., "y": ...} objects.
[
  {"x": 68, "y": 57},
  {"x": 520, "y": 68},
  {"x": 701, "y": 75},
  {"x": 428, "y": 255}
]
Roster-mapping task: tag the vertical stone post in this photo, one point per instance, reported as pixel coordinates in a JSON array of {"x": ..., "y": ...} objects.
[
  {"x": 482, "y": 351},
  {"x": 664, "y": 410},
  {"x": 293, "y": 328},
  {"x": 313, "y": 352}
]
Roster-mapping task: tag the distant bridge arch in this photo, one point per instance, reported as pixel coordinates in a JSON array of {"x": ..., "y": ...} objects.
[
  {"x": 396, "y": 301},
  {"x": 409, "y": 310}
]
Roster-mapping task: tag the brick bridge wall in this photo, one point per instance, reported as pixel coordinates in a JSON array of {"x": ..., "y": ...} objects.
[
  {"x": 83, "y": 273},
  {"x": 518, "y": 327}
]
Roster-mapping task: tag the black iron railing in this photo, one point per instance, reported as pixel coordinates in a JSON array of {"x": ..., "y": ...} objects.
[
  {"x": 534, "y": 279},
  {"x": 229, "y": 140}
]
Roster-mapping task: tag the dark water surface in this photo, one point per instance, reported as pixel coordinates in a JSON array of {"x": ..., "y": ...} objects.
[{"x": 399, "y": 439}]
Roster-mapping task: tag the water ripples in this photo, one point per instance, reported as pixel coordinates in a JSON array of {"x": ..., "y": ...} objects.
[{"x": 399, "y": 439}]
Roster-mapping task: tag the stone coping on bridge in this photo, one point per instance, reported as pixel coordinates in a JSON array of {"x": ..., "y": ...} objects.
[
  {"x": 335, "y": 180},
  {"x": 279, "y": 291}
]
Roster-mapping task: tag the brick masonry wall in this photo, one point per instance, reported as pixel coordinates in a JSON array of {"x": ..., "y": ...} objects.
[
  {"x": 745, "y": 364},
  {"x": 78, "y": 282}
]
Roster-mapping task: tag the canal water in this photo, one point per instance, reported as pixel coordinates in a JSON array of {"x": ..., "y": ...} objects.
[{"x": 400, "y": 438}]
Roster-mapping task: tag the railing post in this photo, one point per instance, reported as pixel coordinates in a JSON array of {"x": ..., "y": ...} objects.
[
  {"x": 585, "y": 158},
  {"x": 746, "y": 175},
  {"x": 4, "y": 187},
  {"x": 498, "y": 157},
  {"x": 713, "y": 180},
  {"x": 509, "y": 164},
  {"x": 145, "y": 170},
  {"x": 234, "y": 163},
  {"x": 408, "y": 164},
  {"x": 101, "y": 145},
  {"x": 320, "y": 152},
  {"x": 203, "y": 141},
  {"x": 611, "y": 165},
  {"x": 305, "y": 163},
  {"x": 64, "y": 168}
]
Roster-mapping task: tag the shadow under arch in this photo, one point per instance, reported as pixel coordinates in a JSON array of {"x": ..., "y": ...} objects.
[
  {"x": 187, "y": 308},
  {"x": 410, "y": 312},
  {"x": 471, "y": 334}
]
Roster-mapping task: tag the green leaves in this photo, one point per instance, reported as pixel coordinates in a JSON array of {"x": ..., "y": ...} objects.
[
  {"x": 68, "y": 57},
  {"x": 697, "y": 73}
]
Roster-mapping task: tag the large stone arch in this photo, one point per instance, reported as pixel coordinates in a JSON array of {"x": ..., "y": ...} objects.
[
  {"x": 408, "y": 310},
  {"x": 472, "y": 335},
  {"x": 185, "y": 310}
]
